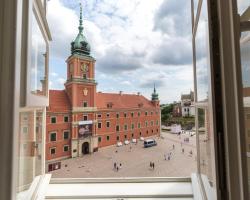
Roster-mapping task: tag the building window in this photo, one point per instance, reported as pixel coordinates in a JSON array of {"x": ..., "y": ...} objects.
[
  {"x": 125, "y": 127},
  {"x": 146, "y": 113},
  {"x": 151, "y": 112},
  {"x": 125, "y": 136},
  {"x": 53, "y": 120},
  {"x": 85, "y": 104},
  {"x": 125, "y": 115},
  {"x": 117, "y": 115},
  {"x": 139, "y": 125},
  {"x": 99, "y": 139},
  {"x": 66, "y": 135},
  {"x": 107, "y": 124},
  {"x": 84, "y": 76},
  {"x": 99, "y": 124},
  {"x": 139, "y": 114},
  {"x": 52, "y": 151},
  {"x": 117, "y": 138},
  {"x": 146, "y": 124},
  {"x": 52, "y": 137},
  {"x": 107, "y": 137},
  {"x": 99, "y": 115},
  {"x": 132, "y": 126},
  {"x": 66, "y": 148},
  {"x": 140, "y": 133},
  {"x": 157, "y": 122},
  {"x": 132, "y": 114},
  {"x": 132, "y": 135},
  {"x": 117, "y": 128},
  {"x": 107, "y": 115},
  {"x": 157, "y": 130},
  {"x": 25, "y": 129},
  {"x": 152, "y": 123},
  {"x": 85, "y": 117},
  {"x": 147, "y": 131},
  {"x": 152, "y": 131},
  {"x": 66, "y": 119}
]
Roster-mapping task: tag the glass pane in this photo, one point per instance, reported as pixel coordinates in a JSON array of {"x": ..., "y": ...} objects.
[
  {"x": 203, "y": 106},
  {"x": 38, "y": 60},
  {"x": 245, "y": 63},
  {"x": 243, "y": 5},
  {"x": 202, "y": 56},
  {"x": 30, "y": 149}
]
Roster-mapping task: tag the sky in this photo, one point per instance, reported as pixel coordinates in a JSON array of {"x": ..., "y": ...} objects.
[{"x": 136, "y": 44}]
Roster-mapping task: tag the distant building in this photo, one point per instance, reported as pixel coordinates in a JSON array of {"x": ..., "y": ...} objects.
[
  {"x": 177, "y": 111},
  {"x": 187, "y": 105},
  {"x": 81, "y": 120}
]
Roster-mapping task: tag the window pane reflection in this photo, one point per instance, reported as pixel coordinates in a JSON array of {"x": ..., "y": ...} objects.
[
  {"x": 205, "y": 135},
  {"x": 38, "y": 60},
  {"x": 30, "y": 148},
  {"x": 202, "y": 56},
  {"x": 245, "y": 63}
]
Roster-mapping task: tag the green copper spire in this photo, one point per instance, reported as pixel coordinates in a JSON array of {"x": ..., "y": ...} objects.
[
  {"x": 155, "y": 96},
  {"x": 80, "y": 25},
  {"x": 80, "y": 45}
]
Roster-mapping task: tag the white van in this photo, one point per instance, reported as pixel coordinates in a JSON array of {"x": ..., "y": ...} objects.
[{"x": 149, "y": 143}]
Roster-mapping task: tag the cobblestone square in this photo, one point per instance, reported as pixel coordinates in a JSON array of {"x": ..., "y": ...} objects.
[{"x": 135, "y": 160}]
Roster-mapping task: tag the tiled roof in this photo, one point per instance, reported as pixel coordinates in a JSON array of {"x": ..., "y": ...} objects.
[
  {"x": 122, "y": 101},
  {"x": 58, "y": 101}
]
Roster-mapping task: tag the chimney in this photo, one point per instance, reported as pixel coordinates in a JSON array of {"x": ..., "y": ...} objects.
[{"x": 120, "y": 92}]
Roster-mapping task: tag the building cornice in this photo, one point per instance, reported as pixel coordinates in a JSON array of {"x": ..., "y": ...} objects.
[{"x": 83, "y": 109}]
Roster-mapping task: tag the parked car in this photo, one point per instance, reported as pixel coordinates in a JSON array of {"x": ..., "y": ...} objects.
[
  {"x": 126, "y": 142},
  {"x": 149, "y": 143},
  {"x": 119, "y": 144}
]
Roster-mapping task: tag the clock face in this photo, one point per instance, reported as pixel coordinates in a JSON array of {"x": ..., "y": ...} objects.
[{"x": 84, "y": 68}]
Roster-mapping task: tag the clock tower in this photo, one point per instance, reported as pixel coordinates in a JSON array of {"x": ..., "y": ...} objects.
[{"x": 81, "y": 89}]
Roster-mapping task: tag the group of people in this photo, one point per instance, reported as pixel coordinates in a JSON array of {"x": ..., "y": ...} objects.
[
  {"x": 168, "y": 156},
  {"x": 117, "y": 166},
  {"x": 152, "y": 165}
]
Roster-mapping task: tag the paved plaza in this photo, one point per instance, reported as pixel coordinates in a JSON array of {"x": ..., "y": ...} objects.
[{"x": 135, "y": 160}]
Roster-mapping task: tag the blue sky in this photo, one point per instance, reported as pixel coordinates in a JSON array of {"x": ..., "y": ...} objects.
[{"x": 136, "y": 43}]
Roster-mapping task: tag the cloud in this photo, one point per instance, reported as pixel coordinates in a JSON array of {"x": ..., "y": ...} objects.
[
  {"x": 173, "y": 51},
  {"x": 173, "y": 18},
  {"x": 117, "y": 61},
  {"x": 136, "y": 43}
]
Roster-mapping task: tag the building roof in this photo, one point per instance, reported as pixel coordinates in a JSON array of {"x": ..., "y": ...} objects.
[
  {"x": 58, "y": 101},
  {"x": 120, "y": 101},
  {"x": 188, "y": 96}
]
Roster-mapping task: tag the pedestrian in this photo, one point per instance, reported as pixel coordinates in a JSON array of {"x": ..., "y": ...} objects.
[
  {"x": 153, "y": 165},
  {"x": 182, "y": 150},
  {"x": 165, "y": 156},
  {"x": 117, "y": 168},
  {"x": 115, "y": 165},
  {"x": 168, "y": 157},
  {"x": 120, "y": 165},
  {"x": 173, "y": 146},
  {"x": 191, "y": 152}
]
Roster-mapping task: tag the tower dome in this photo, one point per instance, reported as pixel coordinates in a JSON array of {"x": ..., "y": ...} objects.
[{"x": 80, "y": 44}]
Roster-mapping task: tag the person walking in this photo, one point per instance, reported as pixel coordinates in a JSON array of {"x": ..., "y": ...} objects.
[
  {"x": 115, "y": 165},
  {"x": 173, "y": 146},
  {"x": 120, "y": 165},
  {"x": 153, "y": 165},
  {"x": 182, "y": 150},
  {"x": 117, "y": 168}
]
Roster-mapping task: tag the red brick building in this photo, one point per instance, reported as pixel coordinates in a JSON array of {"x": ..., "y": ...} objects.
[{"x": 81, "y": 120}]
